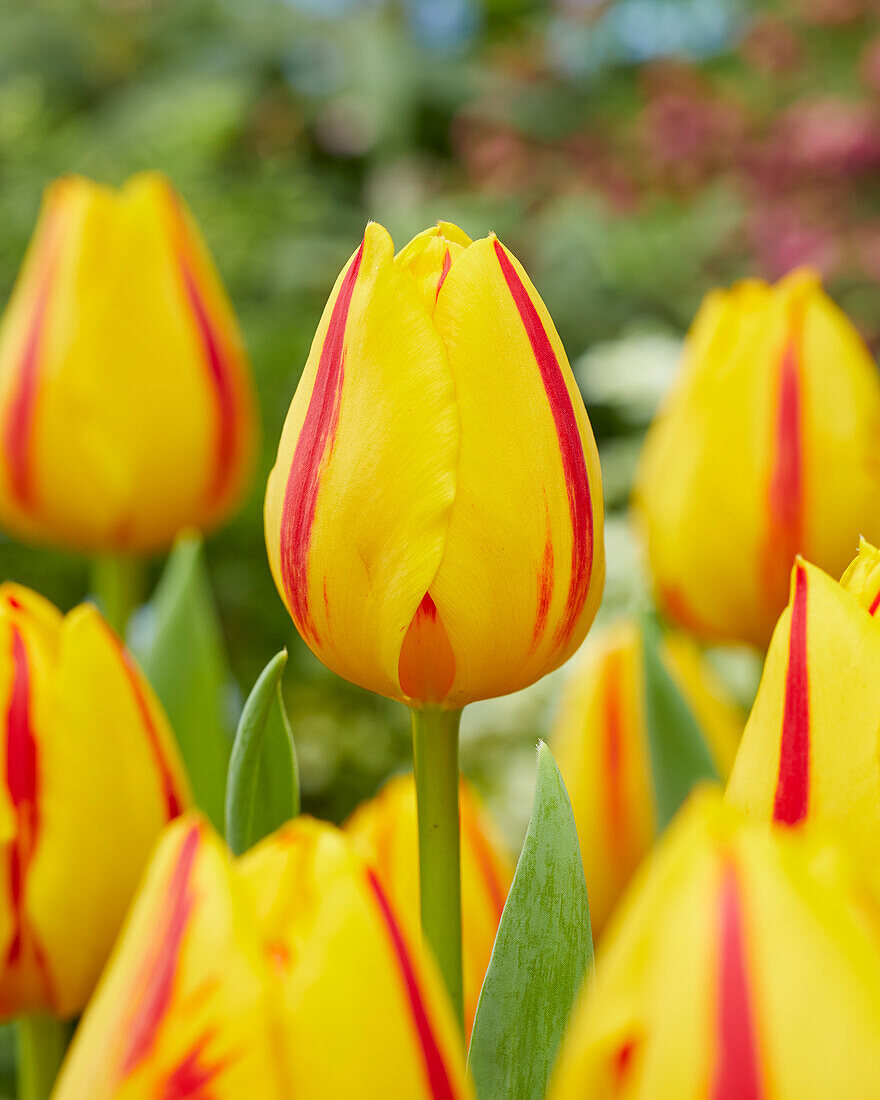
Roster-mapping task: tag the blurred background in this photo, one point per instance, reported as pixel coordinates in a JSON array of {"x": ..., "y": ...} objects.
[{"x": 632, "y": 153}]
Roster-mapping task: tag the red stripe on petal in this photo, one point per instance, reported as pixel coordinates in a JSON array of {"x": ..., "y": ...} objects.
[
  {"x": 315, "y": 437},
  {"x": 486, "y": 861},
  {"x": 793, "y": 783},
  {"x": 152, "y": 993},
  {"x": 192, "y": 1075},
  {"x": 737, "y": 1069},
  {"x": 612, "y": 723},
  {"x": 447, "y": 264},
  {"x": 545, "y": 593},
  {"x": 435, "y": 1068},
  {"x": 570, "y": 446},
  {"x": 875, "y": 603},
  {"x": 174, "y": 801}
]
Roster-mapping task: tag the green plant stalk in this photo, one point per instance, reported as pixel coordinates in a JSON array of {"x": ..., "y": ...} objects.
[
  {"x": 42, "y": 1041},
  {"x": 118, "y": 580},
  {"x": 435, "y": 753}
]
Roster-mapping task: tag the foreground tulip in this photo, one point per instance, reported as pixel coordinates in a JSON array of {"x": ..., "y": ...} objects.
[
  {"x": 125, "y": 402},
  {"x": 91, "y": 776},
  {"x": 745, "y": 965},
  {"x": 284, "y": 975},
  {"x": 768, "y": 446},
  {"x": 385, "y": 832},
  {"x": 602, "y": 741},
  {"x": 809, "y": 751},
  {"x": 434, "y": 516}
]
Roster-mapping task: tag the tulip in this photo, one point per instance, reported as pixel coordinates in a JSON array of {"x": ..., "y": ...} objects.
[
  {"x": 862, "y": 578},
  {"x": 384, "y": 830},
  {"x": 92, "y": 775},
  {"x": 745, "y": 964},
  {"x": 285, "y": 974},
  {"x": 809, "y": 749},
  {"x": 434, "y": 516},
  {"x": 125, "y": 396},
  {"x": 768, "y": 446},
  {"x": 603, "y": 747}
]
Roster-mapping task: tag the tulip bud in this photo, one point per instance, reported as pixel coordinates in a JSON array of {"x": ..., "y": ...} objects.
[
  {"x": 385, "y": 833},
  {"x": 366, "y": 1012},
  {"x": 768, "y": 446},
  {"x": 91, "y": 776},
  {"x": 434, "y": 517},
  {"x": 745, "y": 964},
  {"x": 809, "y": 749},
  {"x": 602, "y": 742},
  {"x": 187, "y": 1008},
  {"x": 125, "y": 396}
]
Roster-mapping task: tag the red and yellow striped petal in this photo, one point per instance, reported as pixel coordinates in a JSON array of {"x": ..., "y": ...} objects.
[
  {"x": 776, "y": 996},
  {"x": 809, "y": 750},
  {"x": 358, "y": 501},
  {"x": 365, "y": 1012},
  {"x": 187, "y": 1008},
  {"x": 384, "y": 831},
  {"x": 862, "y": 578}
]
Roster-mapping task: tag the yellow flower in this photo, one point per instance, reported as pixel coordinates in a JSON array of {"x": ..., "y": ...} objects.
[
  {"x": 434, "y": 517},
  {"x": 768, "y": 446},
  {"x": 602, "y": 743},
  {"x": 125, "y": 395},
  {"x": 384, "y": 831},
  {"x": 745, "y": 964},
  {"x": 284, "y": 974},
  {"x": 809, "y": 751},
  {"x": 91, "y": 776}
]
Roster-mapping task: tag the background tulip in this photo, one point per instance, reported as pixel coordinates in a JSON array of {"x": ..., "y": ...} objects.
[
  {"x": 91, "y": 776},
  {"x": 809, "y": 749},
  {"x": 125, "y": 401},
  {"x": 745, "y": 964},
  {"x": 434, "y": 517},
  {"x": 602, "y": 742},
  {"x": 384, "y": 830},
  {"x": 768, "y": 446}
]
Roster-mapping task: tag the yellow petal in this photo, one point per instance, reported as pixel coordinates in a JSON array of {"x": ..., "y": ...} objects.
[{"x": 862, "y": 577}]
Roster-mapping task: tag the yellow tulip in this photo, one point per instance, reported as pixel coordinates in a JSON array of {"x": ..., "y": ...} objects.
[
  {"x": 91, "y": 776},
  {"x": 768, "y": 446},
  {"x": 187, "y": 1008},
  {"x": 745, "y": 965},
  {"x": 862, "y": 578},
  {"x": 283, "y": 975},
  {"x": 602, "y": 744},
  {"x": 384, "y": 831},
  {"x": 434, "y": 517},
  {"x": 125, "y": 395},
  {"x": 809, "y": 751}
]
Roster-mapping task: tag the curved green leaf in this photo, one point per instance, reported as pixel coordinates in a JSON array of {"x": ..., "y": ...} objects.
[
  {"x": 542, "y": 953},
  {"x": 262, "y": 788}
]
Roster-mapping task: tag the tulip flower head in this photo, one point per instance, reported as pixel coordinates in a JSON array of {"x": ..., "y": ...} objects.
[
  {"x": 92, "y": 775},
  {"x": 434, "y": 517},
  {"x": 768, "y": 446},
  {"x": 745, "y": 964},
  {"x": 384, "y": 831},
  {"x": 125, "y": 396},
  {"x": 602, "y": 741},
  {"x": 809, "y": 749}
]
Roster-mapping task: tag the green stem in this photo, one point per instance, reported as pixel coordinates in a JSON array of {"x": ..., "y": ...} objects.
[
  {"x": 118, "y": 582},
  {"x": 42, "y": 1041},
  {"x": 435, "y": 752}
]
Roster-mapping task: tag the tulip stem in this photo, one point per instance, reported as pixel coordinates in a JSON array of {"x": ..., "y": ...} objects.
[
  {"x": 42, "y": 1041},
  {"x": 118, "y": 582},
  {"x": 435, "y": 753}
]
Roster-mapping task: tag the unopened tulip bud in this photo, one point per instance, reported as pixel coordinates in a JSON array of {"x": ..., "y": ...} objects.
[
  {"x": 92, "y": 775},
  {"x": 745, "y": 964},
  {"x": 125, "y": 397},
  {"x": 384, "y": 831},
  {"x": 603, "y": 744},
  {"x": 768, "y": 446},
  {"x": 434, "y": 516},
  {"x": 809, "y": 750}
]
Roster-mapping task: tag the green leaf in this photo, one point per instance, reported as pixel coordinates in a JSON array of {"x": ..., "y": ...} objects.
[
  {"x": 680, "y": 757},
  {"x": 542, "y": 953},
  {"x": 179, "y": 643},
  {"x": 262, "y": 790}
]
